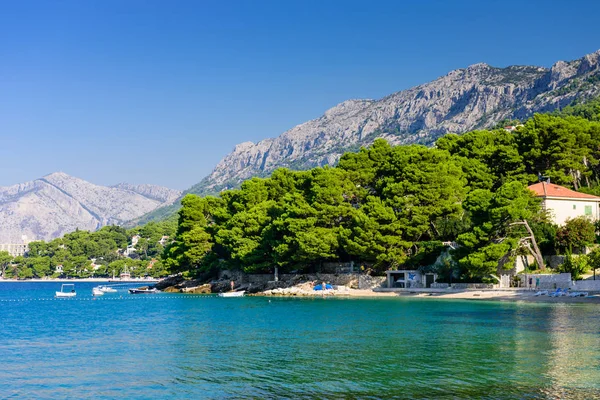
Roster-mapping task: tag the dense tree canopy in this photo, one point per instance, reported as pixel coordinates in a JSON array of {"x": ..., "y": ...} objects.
[
  {"x": 382, "y": 207},
  {"x": 393, "y": 206},
  {"x": 83, "y": 254}
]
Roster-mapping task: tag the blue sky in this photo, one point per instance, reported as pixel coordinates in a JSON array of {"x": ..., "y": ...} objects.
[{"x": 159, "y": 91}]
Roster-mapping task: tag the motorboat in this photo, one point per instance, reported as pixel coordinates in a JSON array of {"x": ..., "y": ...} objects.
[
  {"x": 67, "y": 290},
  {"x": 232, "y": 294},
  {"x": 97, "y": 291},
  {"x": 143, "y": 290},
  {"x": 107, "y": 289}
]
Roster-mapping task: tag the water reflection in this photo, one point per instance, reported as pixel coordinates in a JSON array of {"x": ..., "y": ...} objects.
[{"x": 209, "y": 347}]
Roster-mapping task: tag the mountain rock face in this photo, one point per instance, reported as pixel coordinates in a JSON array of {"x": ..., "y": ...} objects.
[
  {"x": 153, "y": 192},
  {"x": 475, "y": 97},
  {"x": 51, "y": 206}
]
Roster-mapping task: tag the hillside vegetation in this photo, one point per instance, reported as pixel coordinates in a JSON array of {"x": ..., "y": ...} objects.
[{"x": 394, "y": 206}]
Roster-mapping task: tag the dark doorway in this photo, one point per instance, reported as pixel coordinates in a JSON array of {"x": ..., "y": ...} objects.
[{"x": 428, "y": 280}]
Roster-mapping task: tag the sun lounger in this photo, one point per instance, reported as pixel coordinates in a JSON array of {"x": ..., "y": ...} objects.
[
  {"x": 578, "y": 294},
  {"x": 542, "y": 293},
  {"x": 559, "y": 292}
]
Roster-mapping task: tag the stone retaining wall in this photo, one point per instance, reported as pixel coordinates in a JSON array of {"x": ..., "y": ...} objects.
[
  {"x": 547, "y": 281},
  {"x": 366, "y": 282},
  {"x": 436, "y": 285},
  {"x": 472, "y": 286},
  {"x": 587, "y": 285}
]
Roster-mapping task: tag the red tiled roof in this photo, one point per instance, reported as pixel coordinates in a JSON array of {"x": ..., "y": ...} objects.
[{"x": 543, "y": 189}]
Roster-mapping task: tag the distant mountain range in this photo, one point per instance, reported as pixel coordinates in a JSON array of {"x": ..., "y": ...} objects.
[
  {"x": 56, "y": 204},
  {"x": 465, "y": 99}
]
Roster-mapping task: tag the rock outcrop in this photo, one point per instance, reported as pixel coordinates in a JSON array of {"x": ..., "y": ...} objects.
[
  {"x": 56, "y": 204},
  {"x": 154, "y": 192},
  {"x": 474, "y": 97}
]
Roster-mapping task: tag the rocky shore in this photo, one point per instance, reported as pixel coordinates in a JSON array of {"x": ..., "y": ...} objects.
[
  {"x": 294, "y": 287},
  {"x": 266, "y": 285},
  {"x": 301, "y": 286}
]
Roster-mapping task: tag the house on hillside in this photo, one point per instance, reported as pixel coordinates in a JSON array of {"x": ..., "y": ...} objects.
[
  {"x": 564, "y": 203},
  {"x": 15, "y": 249}
]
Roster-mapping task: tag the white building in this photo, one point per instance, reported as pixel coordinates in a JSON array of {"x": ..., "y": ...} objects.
[
  {"x": 564, "y": 203},
  {"x": 135, "y": 239},
  {"x": 15, "y": 249},
  {"x": 406, "y": 279}
]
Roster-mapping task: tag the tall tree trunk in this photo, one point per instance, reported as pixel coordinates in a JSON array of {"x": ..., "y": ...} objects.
[{"x": 537, "y": 254}]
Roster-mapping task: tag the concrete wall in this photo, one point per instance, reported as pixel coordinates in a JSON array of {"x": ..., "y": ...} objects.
[
  {"x": 587, "y": 285},
  {"x": 437, "y": 285},
  {"x": 547, "y": 281},
  {"x": 472, "y": 286},
  {"x": 563, "y": 209}
]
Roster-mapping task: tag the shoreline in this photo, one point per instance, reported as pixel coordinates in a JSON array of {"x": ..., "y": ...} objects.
[
  {"x": 506, "y": 295},
  {"x": 79, "y": 280}
]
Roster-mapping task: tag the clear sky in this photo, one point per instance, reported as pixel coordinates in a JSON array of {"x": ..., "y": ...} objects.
[{"x": 159, "y": 91}]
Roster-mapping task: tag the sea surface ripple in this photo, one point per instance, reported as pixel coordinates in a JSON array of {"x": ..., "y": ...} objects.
[{"x": 202, "y": 346}]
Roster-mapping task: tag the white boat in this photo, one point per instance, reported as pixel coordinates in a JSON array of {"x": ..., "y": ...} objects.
[
  {"x": 143, "y": 290},
  {"x": 67, "y": 290},
  {"x": 232, "y": 294},
  {"x": 97, "y": 291},
  {"x": 107, "y": 289}
]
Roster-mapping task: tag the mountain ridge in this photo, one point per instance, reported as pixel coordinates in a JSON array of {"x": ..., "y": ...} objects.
[
  {"x": 465, "y": 99},
  {"x": 57, "y": 203}
]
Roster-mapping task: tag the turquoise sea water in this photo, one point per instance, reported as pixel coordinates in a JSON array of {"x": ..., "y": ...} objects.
[{"x": 180, "y": 346}]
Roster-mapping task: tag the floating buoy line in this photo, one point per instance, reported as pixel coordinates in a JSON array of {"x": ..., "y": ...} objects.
[{"x": 140, "y": 297}]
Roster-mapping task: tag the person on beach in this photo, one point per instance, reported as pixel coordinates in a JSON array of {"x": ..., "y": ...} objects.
[
  {"x": 537, "y": 283},
  {"x": 530, "y": 285},
  {"x": 232, "y": 285}
]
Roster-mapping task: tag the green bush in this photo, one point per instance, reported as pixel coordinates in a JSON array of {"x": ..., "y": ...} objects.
[{"x": 576, "y": 266}]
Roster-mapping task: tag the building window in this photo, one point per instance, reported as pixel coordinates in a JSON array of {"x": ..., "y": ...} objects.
[
  {"x": 574, "y": 206},
  {"x": 588, "y": 210}
]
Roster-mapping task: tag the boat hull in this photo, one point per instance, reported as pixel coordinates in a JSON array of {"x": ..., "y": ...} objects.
[
  {"x": 62, "y": 294},
  {"x": 142, "y": 291},
  {"x": 232, "y": 294}
]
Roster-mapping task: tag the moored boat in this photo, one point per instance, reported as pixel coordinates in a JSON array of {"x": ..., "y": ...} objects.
[
  {"x": 97, "y": 291},
  {"x": 107, "y": 289},
  {"x": 232, "y": 294},
  {"x": 67, "y": 290},
  {"x": 143, "y": 290}
]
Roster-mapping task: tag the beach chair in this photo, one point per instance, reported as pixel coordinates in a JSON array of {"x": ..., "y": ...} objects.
[
  {"x": 542, "y": 293},
  {"x": 556, "y": 293}
]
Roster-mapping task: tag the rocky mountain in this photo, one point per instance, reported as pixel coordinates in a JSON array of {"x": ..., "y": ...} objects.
[
  {"x": 154, "y": 192},
  {"x": 58, "y": 203},
  {"x": 465, "y": 99}
]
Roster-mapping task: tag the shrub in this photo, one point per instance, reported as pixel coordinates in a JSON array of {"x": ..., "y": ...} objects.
[
  {"x": 576, "y": 234},
  {"x": 576, "y": 266}
]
